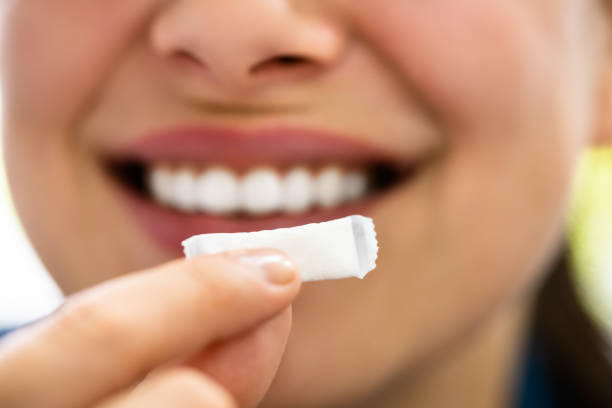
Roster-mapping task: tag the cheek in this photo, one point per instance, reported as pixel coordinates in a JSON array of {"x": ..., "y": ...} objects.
[
  {"x": 56, "y": 52},
  {"x": 466, "y": 61},
  {"x": 56, "y": 55},
  {"x": 495, "y": 75}
]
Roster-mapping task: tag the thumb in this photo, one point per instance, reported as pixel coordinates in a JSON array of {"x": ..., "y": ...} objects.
[{"x": 247, "y": 364}]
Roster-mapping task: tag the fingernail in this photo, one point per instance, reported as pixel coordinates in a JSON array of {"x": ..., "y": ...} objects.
[{"x": 276, "y": 267}]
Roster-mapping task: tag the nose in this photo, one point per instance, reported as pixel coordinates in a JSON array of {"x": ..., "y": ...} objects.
[{"x": 241, "y": 44}]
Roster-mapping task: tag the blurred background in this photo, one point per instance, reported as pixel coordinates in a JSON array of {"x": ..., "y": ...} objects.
[{"x": 27, "y": 292}]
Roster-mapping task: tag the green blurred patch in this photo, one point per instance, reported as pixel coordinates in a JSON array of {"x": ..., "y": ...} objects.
[{"x": 590, "y": 222}]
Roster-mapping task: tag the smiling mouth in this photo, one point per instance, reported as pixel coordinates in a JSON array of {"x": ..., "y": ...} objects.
[{"x": 232, "y": 175}]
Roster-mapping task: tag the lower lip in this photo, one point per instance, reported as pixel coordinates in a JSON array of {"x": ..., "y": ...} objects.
[{"x": 169, "y": 228}]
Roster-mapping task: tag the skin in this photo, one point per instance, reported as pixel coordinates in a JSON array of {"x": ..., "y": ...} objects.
[{"x": 500, "y": 98}]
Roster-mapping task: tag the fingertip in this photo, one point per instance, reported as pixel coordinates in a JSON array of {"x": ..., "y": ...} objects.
[{"x": 273, "y": 265}]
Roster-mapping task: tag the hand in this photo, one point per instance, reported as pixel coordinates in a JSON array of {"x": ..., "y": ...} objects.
[{"x": 205, "y": 332}]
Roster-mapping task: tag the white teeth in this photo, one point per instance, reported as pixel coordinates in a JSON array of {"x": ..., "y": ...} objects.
[
  {"x": 329, "y": 185},
  {"x": 184, "y": 196},
  {"x": 261, "y": 192},
  {"x": 355, "y": 185},
  {"x": 217, "y": 191},
  {"x": 160, "y": 180},
  {"x": 298, "y": 190}
]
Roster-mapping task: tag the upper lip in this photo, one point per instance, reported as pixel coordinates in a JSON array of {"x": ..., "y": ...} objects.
[{"x": 279, "y": 146}]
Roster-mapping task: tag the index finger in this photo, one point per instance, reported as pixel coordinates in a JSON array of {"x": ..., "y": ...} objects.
[{"x": 110, "y": 336}]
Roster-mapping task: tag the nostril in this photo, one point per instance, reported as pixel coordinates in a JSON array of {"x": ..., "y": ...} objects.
[
  {"x": 287, "y": 63},
  {"x": 184, "y": 57},
  {"x": 289, "y": 60}
]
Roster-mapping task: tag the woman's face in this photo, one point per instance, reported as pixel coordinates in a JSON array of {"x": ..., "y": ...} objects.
[{"x": 473, "y": 110}]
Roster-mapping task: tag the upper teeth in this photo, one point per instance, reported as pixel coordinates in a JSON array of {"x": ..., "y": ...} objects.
[{"x": 260, "y": 191}]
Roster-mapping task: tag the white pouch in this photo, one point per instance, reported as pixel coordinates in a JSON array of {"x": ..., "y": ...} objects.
[{"x": 342, "y": 248}]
